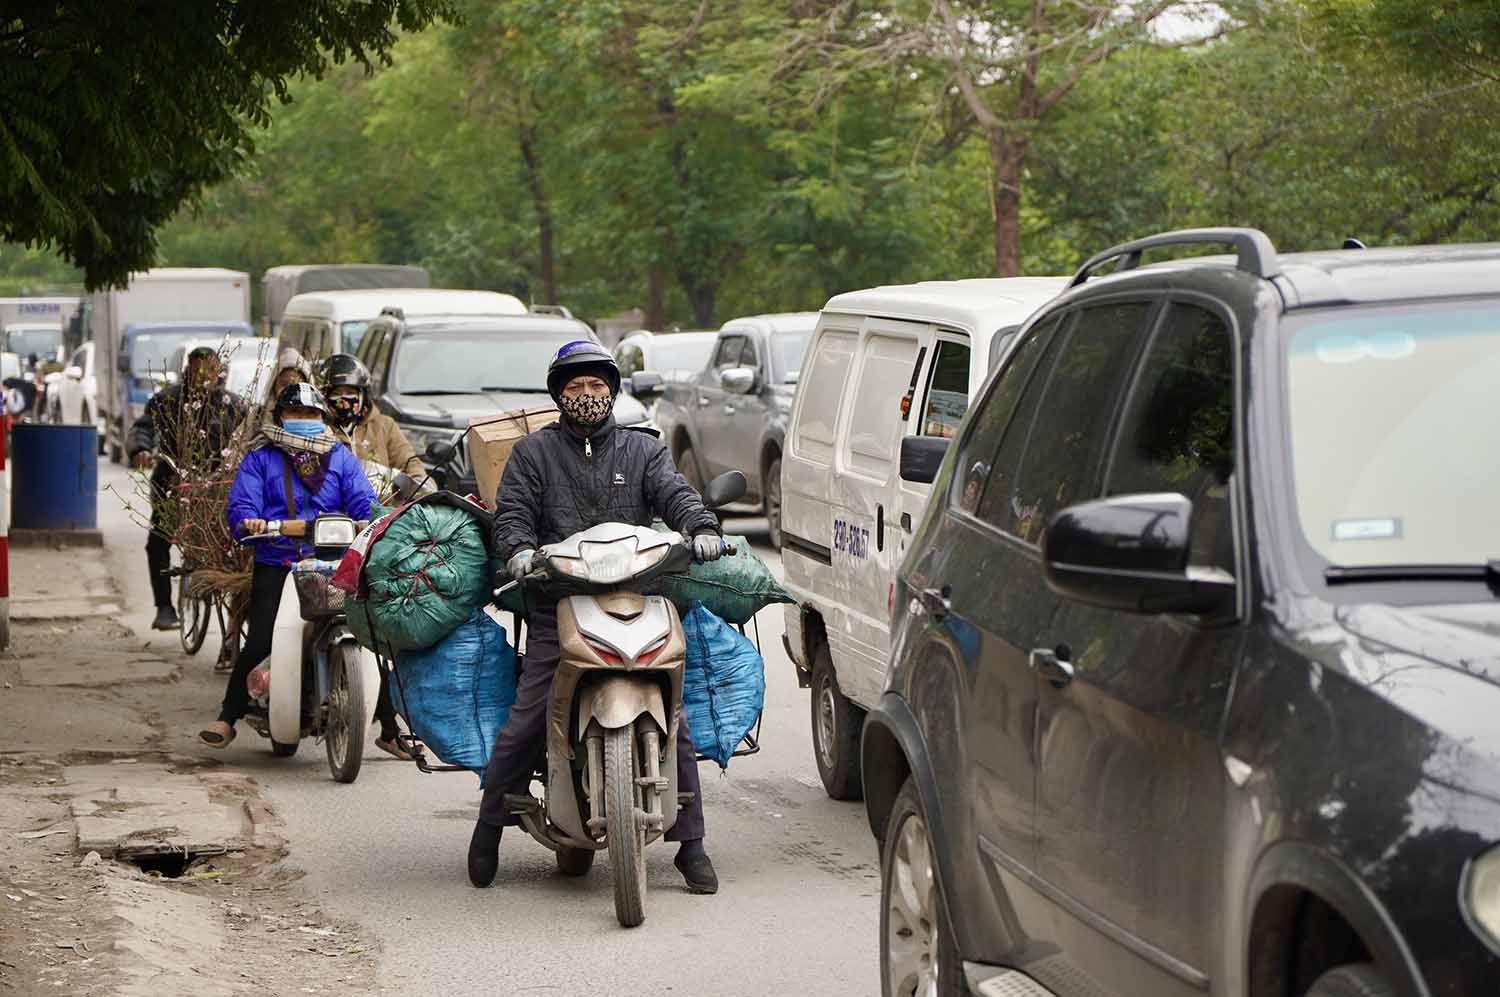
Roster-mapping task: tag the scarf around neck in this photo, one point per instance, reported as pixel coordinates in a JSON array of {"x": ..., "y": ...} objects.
[{"x": 310, "y": 455}]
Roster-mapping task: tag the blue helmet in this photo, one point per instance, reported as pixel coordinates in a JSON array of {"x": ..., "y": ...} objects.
[{"x": 580, "y": 357}]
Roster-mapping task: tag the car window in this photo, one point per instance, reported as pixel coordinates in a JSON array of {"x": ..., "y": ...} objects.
[
  {"x": 728, "y": 353},
  {"x": 947, "y": 390},
  {"x": 1050, "y": 456},
  {"x": 352, "y": 332},
  {"x": 381, "y": 355},
  {"x": 821, "y": 392},
  {"x": 748, "y": 357},
  {"x": 885, "y": 369},
  {"x": 629, "y": 359},
  {"x": 1178, "y": 430},
  {"x": 368, "y": 345},
  {"x": 994, "y": 413}
]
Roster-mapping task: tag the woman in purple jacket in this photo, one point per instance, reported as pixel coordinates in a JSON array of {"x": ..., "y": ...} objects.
[{"x": 296, "y": 457}]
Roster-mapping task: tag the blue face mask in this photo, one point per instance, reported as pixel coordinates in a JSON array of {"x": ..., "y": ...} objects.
[{"x": 303, "y": 427}]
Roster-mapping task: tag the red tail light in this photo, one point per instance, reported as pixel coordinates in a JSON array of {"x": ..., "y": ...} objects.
[
  {"x": 610, "y": 657},
  {"x": 651, "y": 653}
]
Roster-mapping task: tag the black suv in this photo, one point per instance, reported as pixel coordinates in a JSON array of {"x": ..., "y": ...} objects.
[{"x": 1196, "y": 671}]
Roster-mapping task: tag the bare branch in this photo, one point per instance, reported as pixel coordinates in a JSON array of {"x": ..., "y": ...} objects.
[{"x": 981, "y": 111}]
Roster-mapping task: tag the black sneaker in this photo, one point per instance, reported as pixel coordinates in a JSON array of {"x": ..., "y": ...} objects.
[
  {"x": 166, "y": 619},
  {"x": 699, "y": 873},
  {"x": 484, "y": 854}
]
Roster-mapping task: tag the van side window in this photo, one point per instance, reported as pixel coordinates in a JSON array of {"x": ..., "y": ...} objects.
[
  {"x": 1051, "y": 453},
  {"x": 885, "y": 369},
  {"x": 821, "y": 391},
  {"x": 1178, "y": 431},
  {"x": 947, "y": 390},
  {"x": 994, "y": 414}
]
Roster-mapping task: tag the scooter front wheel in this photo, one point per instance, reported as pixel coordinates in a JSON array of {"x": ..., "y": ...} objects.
[
  {"x": 344, "y": 737},
  {"x": 625, "y": 833}
]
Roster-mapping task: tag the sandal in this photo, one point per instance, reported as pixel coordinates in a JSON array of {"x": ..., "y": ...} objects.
[
  {"x": 393, "y": 748},
  {"x": 217, "y": 735}
]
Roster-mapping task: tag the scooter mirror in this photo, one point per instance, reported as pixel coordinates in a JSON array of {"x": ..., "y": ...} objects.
[
  {"x": 726, "y": 488},
  {"x": 440, "y": 453}
]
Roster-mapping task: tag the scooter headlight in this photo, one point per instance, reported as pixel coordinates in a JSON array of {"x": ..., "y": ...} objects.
[
  {"x": 333, "y": 531},
  {"x": 1481, "y": 894}
]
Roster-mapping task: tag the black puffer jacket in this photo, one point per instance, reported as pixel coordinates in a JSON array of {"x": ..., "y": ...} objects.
[
  {"x": 196, "y": 436},
  {"x": 552, "y": 488}
]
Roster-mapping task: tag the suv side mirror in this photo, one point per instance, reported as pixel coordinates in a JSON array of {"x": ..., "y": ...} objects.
[
  {"x": 439, "y": 453},
  {"x": 738, "y": 380},
  {"x": 645, "y": 383},
  {"x": 921, "y": 456},
  {"x": 726, "y": 488},
  {"x": 1130, "y": 552}
]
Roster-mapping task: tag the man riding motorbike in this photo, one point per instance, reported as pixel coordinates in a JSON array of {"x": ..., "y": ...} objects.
[
  {"x": 576, "y": 473},
  {"x": 167, "y": 434},
  {"x": 371, "y": 435},
  {"x": 294, "y": 470}
]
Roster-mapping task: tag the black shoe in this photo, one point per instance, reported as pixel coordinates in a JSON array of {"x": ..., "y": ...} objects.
[
  {"x": 699, "y": 873},
  {"x": 484, "y": 854},
  {"x": 166, "y": 619}
]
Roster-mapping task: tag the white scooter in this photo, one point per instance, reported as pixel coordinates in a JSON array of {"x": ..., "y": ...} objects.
[{"x": 318, "y": 682}]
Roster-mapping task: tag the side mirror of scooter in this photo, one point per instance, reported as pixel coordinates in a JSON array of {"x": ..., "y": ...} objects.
[{"x": 726, "y": 488}]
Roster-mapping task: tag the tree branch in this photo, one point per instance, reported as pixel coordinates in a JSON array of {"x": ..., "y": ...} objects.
[{"x": 987, "y": 118}]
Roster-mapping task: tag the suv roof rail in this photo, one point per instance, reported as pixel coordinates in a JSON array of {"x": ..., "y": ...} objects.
[
  {"x": 1257, "y": 255},
  {"x": 395, "y": 312},
  {"x": 551, "y": 310}
]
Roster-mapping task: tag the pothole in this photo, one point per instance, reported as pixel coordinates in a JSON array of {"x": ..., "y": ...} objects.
[{"x": 167, "y": 865}]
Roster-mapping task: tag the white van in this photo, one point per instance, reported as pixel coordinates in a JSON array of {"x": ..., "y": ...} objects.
[
  {"x": 319, "y": 324},
  {"x": 884, "y": 365}
]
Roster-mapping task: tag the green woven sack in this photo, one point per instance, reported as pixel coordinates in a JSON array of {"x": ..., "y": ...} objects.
[
  {"x": 425, "y": 575},
  {"x": 732, "y": 588}
]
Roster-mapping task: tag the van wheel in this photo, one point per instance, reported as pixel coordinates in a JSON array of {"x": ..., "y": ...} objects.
[
  {"x": 1356, "y": 980},
  {"x": 918, "y": 954},
  {"x": 771, "y": 486},
  {"x": 835, "y": 731}
]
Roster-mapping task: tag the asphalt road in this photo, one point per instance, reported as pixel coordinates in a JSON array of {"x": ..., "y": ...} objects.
[{"x": 797, "y": 911}]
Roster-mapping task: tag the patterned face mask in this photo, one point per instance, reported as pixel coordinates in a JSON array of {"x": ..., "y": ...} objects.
[
  {"x": 346, "y": 409},
  {"x": 587, "y": 411}
]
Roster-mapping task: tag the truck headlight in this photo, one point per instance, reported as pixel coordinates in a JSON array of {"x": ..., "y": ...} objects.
[{"x": 1481, "y": 893}]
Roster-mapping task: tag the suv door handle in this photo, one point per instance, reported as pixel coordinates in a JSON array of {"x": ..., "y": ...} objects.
[
  {"x": 1052, "y": 665},
  {"x": 703, "y": 402},
  {"x": 936, "y": 601}
]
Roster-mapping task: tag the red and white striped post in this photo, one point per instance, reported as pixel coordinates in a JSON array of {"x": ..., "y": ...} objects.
[{"x": 4, "y": 536}]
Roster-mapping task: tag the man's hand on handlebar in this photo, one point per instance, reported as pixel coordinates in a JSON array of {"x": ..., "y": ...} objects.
[
  {"x": 520, "y": 563},
  {"x": 709, "y": 547}
]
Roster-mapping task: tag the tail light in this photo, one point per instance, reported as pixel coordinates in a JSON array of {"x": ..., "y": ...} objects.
[
  {"x": 651, "y": 653},
  {"x": 605, "y": 652}
]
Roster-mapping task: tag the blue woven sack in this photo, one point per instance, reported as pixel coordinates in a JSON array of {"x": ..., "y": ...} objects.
[
  {"x": 723, "y": 684},
  {"x": 456, "y": 694}
]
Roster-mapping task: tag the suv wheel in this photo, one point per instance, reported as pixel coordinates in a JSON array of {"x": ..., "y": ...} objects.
[
  {"x": 917, "y": 951},
  {"x": 1357, "y": 980},
  {"x": 835, "y": 730},
  {"x": 772, "y": 489},
  {"x": 687, "y": 466}
]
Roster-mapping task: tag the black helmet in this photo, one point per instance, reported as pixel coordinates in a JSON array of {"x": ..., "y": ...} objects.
[
  {"x": 344, "y": 370},
  {"x": 201, "y": 353},
  {"x": 300, "y": 395},
  {"x": 580, "y": 357}
]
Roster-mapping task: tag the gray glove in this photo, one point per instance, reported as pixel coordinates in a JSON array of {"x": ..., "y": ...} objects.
[
  {"x": 519, "y": 564},
  {"x": 707, "y": 547}
]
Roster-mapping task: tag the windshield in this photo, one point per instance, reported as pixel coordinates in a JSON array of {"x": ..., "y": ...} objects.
[
  {"x": 1393, "y": 430},
  {"x": 789, "y": 348},
  {"x": 42, "y": 342},
  {"x": 670, "y": 353},
  {"x": 465, "y": 362},
  {"x": 352, "y": 333},
  {"x": 151, "y": 352}
]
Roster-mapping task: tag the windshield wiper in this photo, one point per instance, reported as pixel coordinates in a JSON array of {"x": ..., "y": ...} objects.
[{"x": 1344, "y": 575}]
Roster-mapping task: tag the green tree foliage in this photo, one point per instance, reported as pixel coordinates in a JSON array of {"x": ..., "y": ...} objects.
[
  {"x": 1437, "y": 37},
  {"x": 112, "y": 115}
]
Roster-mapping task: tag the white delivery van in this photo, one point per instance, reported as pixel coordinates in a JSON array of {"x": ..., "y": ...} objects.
[
  {"x": 279, "y": 285},
  {"x": 884, "y": 365},
  {"x": 322, "y": 323}
]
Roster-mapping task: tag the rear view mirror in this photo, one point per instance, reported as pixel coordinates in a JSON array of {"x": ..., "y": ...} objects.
[
  {"x": 921, "y": 456},
  {"x": 439, "y": 453},
  {"x": 1130, "y": 552},
  {"x": 738, "y": 380},
  {"x": 645, "y": 383},
  {"x": 726, "y": 488}
]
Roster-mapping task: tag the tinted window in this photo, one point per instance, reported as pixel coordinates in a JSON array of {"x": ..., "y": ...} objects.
[
  {"x": 1178, "y": 430},
  {"x": 368, "y": 344},
  {"x": 728, "y": 353},
  {"x": 1050, "y": 456},
  {"x": 747, "y": 355},
  {"x": 995, "y": 412},
  {"x": 947, "y": 390}
]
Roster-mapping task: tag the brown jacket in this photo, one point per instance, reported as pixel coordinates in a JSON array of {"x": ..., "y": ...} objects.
[{"x": 378, "y": 438}]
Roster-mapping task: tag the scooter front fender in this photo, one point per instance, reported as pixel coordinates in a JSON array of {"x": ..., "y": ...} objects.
[{"x": 617, "y": 701}]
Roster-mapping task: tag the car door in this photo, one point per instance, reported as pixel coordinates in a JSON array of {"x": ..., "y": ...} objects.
[
  {"x": 711, "y": 400},
  {"x": 1130, "y": 779},
  {"x": 745, "y": 419}
]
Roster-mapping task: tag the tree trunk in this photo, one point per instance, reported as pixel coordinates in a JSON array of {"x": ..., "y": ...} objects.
[
  {"x": 546, "y": 264},
  {"x": 701, "y": 295},
  {"x": 656, "y": 299},
  {"x": 1007, "y": 161}
]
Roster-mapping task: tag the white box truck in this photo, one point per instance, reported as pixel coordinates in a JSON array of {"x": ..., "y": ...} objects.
[{"x": 136, "y": 328}]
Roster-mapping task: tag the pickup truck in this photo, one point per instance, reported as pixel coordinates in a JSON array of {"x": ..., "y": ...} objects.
[{"x": 732, "y": 414}]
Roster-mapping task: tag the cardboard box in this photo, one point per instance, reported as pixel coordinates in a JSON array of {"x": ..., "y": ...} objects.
[{"x": 489, "y": 442}]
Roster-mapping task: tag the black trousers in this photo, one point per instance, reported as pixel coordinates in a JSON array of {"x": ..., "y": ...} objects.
[
  {"x": 158, "y": 563},
  {"x": 520, "y": 743},
  {"x": 266, "y": 583}
]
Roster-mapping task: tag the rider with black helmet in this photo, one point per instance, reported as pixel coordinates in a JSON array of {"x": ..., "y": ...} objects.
[
  {"x": 573, "y": 474},
  {"x": 295, "y": 469},
  {"x": 358, "y": 424}
]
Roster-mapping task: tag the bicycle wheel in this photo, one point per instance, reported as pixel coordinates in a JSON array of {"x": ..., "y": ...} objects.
[{"x": 193, "y": 611}]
